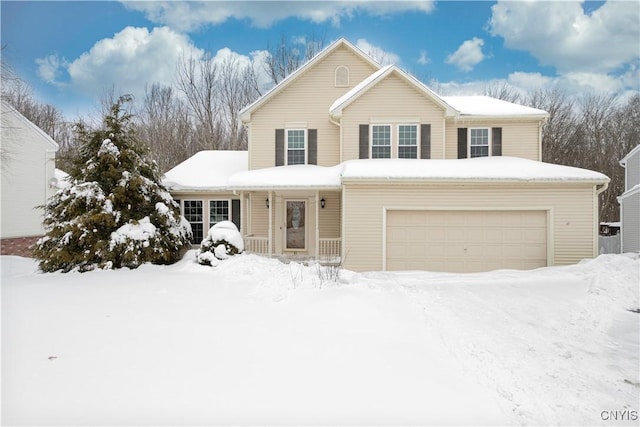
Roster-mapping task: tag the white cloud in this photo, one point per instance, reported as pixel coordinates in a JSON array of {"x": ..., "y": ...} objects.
[
  {"x": 574, "y": 84},
  {"x": 50, "y": 68},
  {"x": 562, "y": 35},
  {"x": 380, "y": 55},
  {"x": 424, "y": 58},
  {"x": 190, "y": 16},
  {"x": 134, "y": 58},
  {"x": 129, "y": 60},
  {"x": 468, "y": 55}
]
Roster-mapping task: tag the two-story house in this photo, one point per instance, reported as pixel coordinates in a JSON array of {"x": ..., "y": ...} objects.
[{"x": 354, "y": 161}]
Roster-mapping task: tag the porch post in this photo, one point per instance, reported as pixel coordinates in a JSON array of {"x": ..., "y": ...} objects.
[
  {"x": 317, "y": 224},
  {"x": 243, "y": 214},
  {"x": 270, "y": 223}
]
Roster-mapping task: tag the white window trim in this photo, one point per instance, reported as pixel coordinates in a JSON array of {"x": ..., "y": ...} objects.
[
  {"x": 229, "y": 212},
  {"x": 335, "y": 76},
  {"x": 488, "y": 140},
  {"x": 306, "y": 145},
  {"x": 391, "y": 151},
  {"x": 397, "y": 147},
  {"x": 204, "y": 218}
]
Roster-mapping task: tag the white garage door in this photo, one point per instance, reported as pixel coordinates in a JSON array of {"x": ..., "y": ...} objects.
[{"x": 466, "y": 241}]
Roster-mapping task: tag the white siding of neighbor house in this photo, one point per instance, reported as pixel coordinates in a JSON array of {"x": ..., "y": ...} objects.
[
  {"x": 305, "y": 104},
  {"x": 572, "y": 226},
  {"x": 519, "y": 138},
  {"x": 632, "y": 170},
  {"x": 630, "y": 220},
  {"x": 26, "y": 173},
  {"x": 392, "y": 101}
]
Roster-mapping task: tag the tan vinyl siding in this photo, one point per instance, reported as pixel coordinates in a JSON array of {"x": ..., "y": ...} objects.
[
  {"x": 329, "y": 217},
  {"x": 392, "y": 101},
  {"x": 519, "y": 138},
  {"x": 259, "y": 214},
  {"x": 571, "y": 233},
  {"x": 306, "y": 100}
]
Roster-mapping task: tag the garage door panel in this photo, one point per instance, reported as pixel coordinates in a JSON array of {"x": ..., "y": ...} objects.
[{"x": 466, "y": 241}]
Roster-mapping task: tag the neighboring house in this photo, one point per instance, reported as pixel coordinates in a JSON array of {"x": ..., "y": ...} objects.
[
  {"x": 630, "y": 202},
  {"x": 28, "y": 174},
  {"x": 352, "y": 161}
]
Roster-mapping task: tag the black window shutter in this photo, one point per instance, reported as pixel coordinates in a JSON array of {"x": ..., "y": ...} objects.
[
  {"x": 496, "y": 141},
  {"x": 364, "y": 141},
  {"x": 279, "y": 147},
  {"x": 462, "y": 143},
  {"x": 235, "y": 212},
  {"x": 425, "y": 141},
  {"x": 313, "y": 146}
]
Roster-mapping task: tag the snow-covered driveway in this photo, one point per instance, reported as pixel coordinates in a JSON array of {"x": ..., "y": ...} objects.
[{"x": 254, "y": 341}]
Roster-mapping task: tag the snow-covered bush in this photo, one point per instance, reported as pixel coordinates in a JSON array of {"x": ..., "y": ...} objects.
[
  {"x": 115, "y": 213},
  {"x": 223, "y": 240}
]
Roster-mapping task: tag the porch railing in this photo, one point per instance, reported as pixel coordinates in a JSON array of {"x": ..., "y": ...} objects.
[
  {"x": 256, "y": 245},
  {"x": 329, "y": 248}
]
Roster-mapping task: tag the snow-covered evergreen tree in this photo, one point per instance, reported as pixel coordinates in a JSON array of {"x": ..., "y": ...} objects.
[{"x": 116, "y": 213}]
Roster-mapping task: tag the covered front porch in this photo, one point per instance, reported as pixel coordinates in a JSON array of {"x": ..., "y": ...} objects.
[{"x": 296, "y": 225}]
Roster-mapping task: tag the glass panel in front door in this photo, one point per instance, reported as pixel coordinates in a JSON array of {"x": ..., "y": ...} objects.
[{"x": 296, "y": 218}]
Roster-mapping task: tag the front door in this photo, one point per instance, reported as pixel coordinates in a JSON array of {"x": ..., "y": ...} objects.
[{"x": 296, "y": 230}]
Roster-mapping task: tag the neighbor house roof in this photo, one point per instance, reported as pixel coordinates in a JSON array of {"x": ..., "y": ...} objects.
[
  {"x": 206, "y": 170},
  {"x": 623, "y": 162},
  {"x": 245, "y": 113},
  {"x": 9, "y": 109}
]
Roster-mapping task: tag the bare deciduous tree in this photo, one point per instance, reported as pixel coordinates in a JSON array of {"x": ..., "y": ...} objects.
[{"x": 196, "y": 78}]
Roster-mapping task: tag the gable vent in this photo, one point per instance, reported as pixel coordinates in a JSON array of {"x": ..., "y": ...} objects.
[{"x": 342, "y": 76}]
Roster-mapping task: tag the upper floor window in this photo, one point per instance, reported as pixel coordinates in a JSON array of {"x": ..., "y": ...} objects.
[
  {"x": 296, "y": 147},
  {"x": 478, "y": 142},
  {"x": 342, "y": 76},
  {"x": 380, "y": 141},
  {"x": 407, "y": 141}
]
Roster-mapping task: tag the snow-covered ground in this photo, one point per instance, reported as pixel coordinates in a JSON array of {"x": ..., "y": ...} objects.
[{"x": 255, "y": 341}]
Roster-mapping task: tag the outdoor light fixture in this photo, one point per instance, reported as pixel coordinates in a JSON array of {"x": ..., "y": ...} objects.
[
  {"x": 267, "y": 202},
  {"x": 322, "y": 202}
]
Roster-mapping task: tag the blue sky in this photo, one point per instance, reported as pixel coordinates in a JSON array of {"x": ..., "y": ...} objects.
[{"x": 71, "y": 52}]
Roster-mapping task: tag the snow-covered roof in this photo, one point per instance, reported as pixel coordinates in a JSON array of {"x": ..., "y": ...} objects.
[
  {"x": 245, "y": 113},
  {"x": 496, "y": 168},
  {"x": 336, "y": 108},
  {"x": 206, "y": 170},
  {"x": 486, "y": 106},
  {"x": 283, "y": 177},
  {"x": 227, "y": 171},
  {"x": 62, "y": 178}
]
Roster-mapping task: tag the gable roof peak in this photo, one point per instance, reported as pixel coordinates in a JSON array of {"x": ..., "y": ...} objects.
[{"x": 245, "y": 113}]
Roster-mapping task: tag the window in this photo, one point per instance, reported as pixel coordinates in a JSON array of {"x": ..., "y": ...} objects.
[
  {"x": 342, "y": 76},
  {"x": 218, "y": 211},
  {"x": 193, "y": 214},
  {"x": 478, "y": 142},
  {"x": 407, "y": 141},
  {"x": 296, "y": 147},
  {"x": 380, "y": 142}
]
